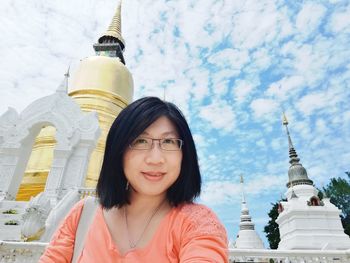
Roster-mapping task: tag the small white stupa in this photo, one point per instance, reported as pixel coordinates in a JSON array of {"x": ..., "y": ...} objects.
[
  {"x": 247, "y": 237},
  {"x": 306, "y": 222}
]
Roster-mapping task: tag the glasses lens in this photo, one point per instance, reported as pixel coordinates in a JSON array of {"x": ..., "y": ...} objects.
[
  {"x": 141, "y": 144},
  {"x": 168, "y": 144},
  {"x": 171, "y": 144}
]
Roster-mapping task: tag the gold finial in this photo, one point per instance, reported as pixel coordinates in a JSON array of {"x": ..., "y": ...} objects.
[
  {"x": 66, "y": 78},
  {"x": 285, "y": 121},
  {"x": 67, "y": 73},
  {"x": 63, "y": 87},
  {"x": 115, "y": 28}
]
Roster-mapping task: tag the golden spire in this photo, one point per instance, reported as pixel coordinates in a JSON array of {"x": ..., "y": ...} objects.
[
  {"x": 115, "y": 29},
  {"x": 285, "y": 121}
]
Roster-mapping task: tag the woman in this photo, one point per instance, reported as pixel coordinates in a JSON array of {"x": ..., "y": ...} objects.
[{"x": 148, "y": 181}]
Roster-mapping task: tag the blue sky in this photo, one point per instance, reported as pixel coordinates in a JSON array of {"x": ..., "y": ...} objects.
[{"x": 231, "y": 66}]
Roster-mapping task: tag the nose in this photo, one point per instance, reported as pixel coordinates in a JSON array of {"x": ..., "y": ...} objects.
[{"x": 155, "y": 155}]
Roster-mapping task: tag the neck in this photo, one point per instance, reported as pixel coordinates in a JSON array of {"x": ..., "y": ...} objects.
[{"x": 140, "y": 204}]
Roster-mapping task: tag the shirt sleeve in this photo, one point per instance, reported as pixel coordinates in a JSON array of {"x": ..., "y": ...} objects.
[
  {"x": 204, "y": 238},
  {"x": 61, "y": 246}
]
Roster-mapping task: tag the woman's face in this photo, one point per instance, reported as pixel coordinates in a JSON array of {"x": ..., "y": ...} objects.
[{"x": 151, "y": 172}]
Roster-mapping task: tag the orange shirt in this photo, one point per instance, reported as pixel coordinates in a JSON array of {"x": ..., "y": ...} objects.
[{"x": 188, "y": 233}]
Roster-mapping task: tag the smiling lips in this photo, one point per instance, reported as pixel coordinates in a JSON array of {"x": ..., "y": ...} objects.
[{"x": 153, "y": 176}]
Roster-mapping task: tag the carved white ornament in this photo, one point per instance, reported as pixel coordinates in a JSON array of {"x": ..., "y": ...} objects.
[
  {"x": 34, "y": 217},
  {"x": 77, "y": 132}
]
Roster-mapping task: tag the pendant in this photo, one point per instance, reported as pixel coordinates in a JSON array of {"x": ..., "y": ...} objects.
[{"x": 132, "y": 244}]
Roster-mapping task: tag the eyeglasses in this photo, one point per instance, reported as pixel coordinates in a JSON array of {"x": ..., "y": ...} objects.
[{"x": 166, "y": 144}]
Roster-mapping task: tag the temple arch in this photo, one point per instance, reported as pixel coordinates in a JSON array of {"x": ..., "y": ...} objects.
[{"x": 76, "y": 135}]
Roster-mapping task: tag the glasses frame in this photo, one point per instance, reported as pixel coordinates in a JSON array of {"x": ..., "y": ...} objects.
[{"x": 159, "y": 143}]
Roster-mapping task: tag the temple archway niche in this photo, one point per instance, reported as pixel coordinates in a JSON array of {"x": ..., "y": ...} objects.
[
  {"x": 76, "y": 136},
  {"x": 39, "y": 164}
]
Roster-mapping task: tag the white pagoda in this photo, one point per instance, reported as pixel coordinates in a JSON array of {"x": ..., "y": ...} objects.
[
  {"x": 247, "y": 237},
  {"x": 306, "y": 222}
]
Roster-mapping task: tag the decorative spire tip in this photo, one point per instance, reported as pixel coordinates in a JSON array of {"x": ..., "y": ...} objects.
[
  {"x": 285, "y": 121},
  {"x": 67, "y": 73}
]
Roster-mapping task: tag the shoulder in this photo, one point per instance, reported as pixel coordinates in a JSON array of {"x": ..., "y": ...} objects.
[
  {"x": 83, "y": 209},
  {"x": 71, "y": 220},
  {"x": 201, "y": 219},
  {"x": 193, "y": 211},
  {"x": 201, "y": 237},
  {"x": 78, "y": 206},
  {"x": 61, "y": 246},
  {"x": 75, "y": 212}
]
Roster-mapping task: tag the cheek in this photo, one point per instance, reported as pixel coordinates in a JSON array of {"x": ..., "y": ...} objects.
[
  {"x": 178, "y": 163},
  {"x": 128, "y": 160}
]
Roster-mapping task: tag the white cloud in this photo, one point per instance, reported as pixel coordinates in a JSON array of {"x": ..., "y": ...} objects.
[
  {"x": 255, "y": 24},
  {"x": 262, "y": 59},
  {"x": 301, "y": 131},
  {"x": 231, "y": 58},
  {"x": 309, "y": 18},
  {"x": 263, "y": 184},
  {"x": 276, "y": 143},
  {"x": 263, "y": 107},
  {"x": 227, "y": 192},
  {"x": 286, "y": 88},
  {"x": 200, "y": 83},
  {"x": 280, "y": 167},
  {"x": 197, "y": 13},
  {"x": 221, "y": 87},
  {"x": 219, "y": 115},
  {"x": 220, "y": 193},
  {"x": 261, "y": 143},
  {"x": 346, "y": 123},
  {"x": 311, "y": 102},
  {"x": 200, "y": 140},
  {"x": 261, "y": 220},
  {"x": 321, "y": 127},
  {"x": 339, "y": 22},
  {"x": 242, "y": 89}
]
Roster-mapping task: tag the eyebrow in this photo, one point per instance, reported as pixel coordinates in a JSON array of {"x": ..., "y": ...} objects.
[{"x": 163, "y": 134}]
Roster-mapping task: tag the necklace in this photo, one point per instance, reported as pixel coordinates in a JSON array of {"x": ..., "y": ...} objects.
[{"x": 133, "y": 244}]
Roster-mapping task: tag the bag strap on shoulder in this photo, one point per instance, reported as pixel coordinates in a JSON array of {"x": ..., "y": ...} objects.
[{"x": 87, "y": 214}]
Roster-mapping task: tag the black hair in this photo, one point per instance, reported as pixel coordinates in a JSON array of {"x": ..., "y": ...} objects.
[{"x": 130, "y": 123}]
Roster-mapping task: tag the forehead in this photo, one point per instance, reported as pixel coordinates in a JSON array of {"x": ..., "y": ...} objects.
[{"x": 162, "y": 126}]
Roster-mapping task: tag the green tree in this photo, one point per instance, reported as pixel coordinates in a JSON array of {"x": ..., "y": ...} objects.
[
  {"x": 271, "y": 229},
  {"x": 338, "y": 190}
]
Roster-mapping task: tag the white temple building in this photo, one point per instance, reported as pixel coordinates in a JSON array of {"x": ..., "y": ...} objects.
[
  {"x": 77, "y": 134},
  {"x": 247, "y": 237},
  {"x": 305, "y": 222},
  {"x": 79, "y": 116}
]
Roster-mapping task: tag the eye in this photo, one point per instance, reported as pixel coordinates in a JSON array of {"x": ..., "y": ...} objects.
[
  {"x": 170, "y": 141},
  {"x": 140, "y": 141}
]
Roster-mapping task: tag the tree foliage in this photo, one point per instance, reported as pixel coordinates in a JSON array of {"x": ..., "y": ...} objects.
[
  {"x": 338, "y": 190},
  {"x": 271, "y": 229}
]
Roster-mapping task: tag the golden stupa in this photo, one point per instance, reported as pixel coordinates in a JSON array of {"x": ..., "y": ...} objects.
[{"x": 102, "y": 83}]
